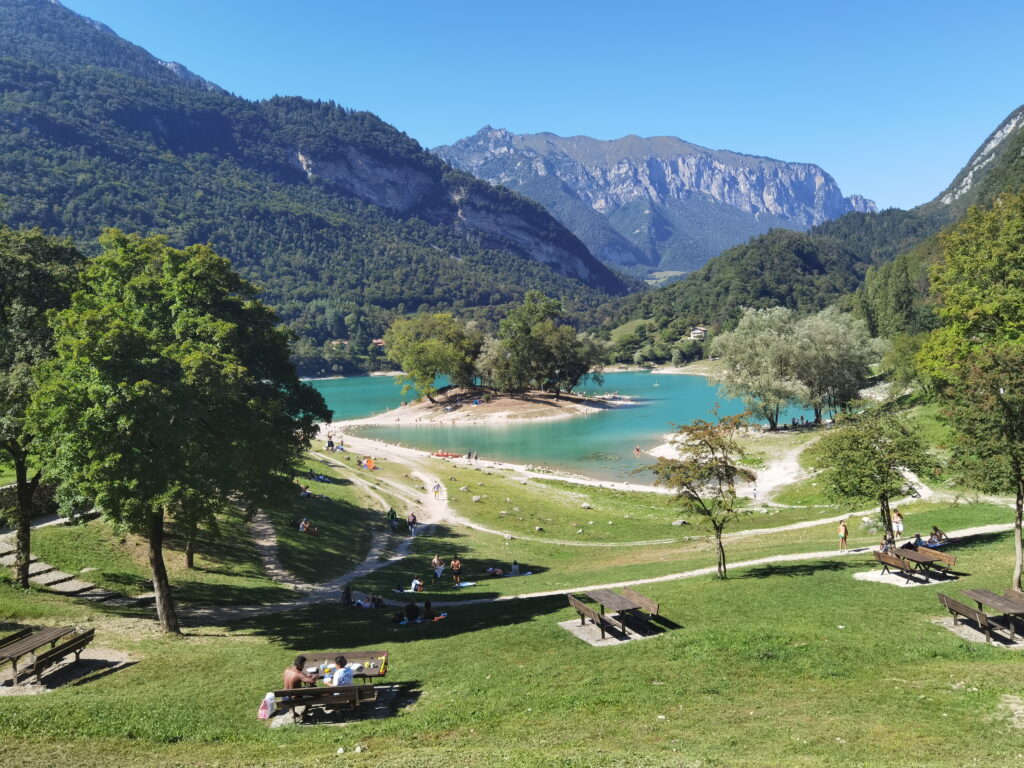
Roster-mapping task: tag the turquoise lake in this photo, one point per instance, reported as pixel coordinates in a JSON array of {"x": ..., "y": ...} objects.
[{"x": 600, "y": 445}]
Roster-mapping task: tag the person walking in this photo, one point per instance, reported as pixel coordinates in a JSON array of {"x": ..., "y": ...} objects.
[
  {"x": 438, "y": 565},
  {"x": 897, "y": 523},
  {"x": 456, "y": 566},
  {"x": 392, "y": 520},
  {"x": 437, "y": 489},
  {"x": 844, "y": 532},
  {"x": 411, "y": 520}
]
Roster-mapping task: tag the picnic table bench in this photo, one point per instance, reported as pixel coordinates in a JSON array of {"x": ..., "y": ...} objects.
[
  {"x": 48, "y": 658},
  {"x": 602, "y": 621},
  {"x": 28, "y": 642},
  {"x": 349, "y": 697},
  {"x": 942, "y": 560},
  {"x": 375, "y": 663},
  {"x": 891, "y": 561},
  {"x": 956, "y": 608},
  {"x": 1009, "y": 604}
]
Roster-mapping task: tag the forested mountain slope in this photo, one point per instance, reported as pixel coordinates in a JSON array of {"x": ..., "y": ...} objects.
[{"x": 340, "y": 217}]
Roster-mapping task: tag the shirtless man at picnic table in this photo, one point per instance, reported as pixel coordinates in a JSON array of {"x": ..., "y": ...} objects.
[{"x": 295, "y": 676}]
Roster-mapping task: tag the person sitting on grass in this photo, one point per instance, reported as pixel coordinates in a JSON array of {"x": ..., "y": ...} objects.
[
  {"x": 515, "y": 568},
  {"x": 492, "y": 571},
  {"x": 296, "y": 677},
  {"x": 346, "y": 596},
  {"x": 938, "y": 537},
  {"x": 428, "y": 611},
  {"x": 412, "y": 611},
  {"x": 417, "y": 584}
]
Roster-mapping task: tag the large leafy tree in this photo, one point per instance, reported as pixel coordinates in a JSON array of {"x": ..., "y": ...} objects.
[
  {"x": 37, "y": 275},
  {"x": 974, "y": 359},
  {"x": 534, "y": 348},
  {"x": 866, "y": 457},
  {"x": 704, "y": 477},
  {"x": 757, "y": 359},
  {"x": 830, "y": 356},
  {"x": 171, "y": 390},
  {"x": 430, "y": 345}
]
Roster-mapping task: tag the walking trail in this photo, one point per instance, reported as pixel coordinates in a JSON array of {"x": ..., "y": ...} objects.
[{"x": 433, "y": 511}]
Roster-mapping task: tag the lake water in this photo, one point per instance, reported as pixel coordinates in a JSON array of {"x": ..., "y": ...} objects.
[{"x": 600, "y": 445}]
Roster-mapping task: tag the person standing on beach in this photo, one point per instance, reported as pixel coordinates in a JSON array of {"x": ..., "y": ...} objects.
[
  {"x": 456, "y": 566},
  {"x": 637, "y": 452},
  {"x": 843, "y": 533}
]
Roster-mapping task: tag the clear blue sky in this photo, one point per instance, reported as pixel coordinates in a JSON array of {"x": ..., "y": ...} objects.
[{"x": 891, "y": 98}]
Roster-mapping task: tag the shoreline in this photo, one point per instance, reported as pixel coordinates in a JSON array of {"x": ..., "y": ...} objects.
[{"x": 468, "y": 409}]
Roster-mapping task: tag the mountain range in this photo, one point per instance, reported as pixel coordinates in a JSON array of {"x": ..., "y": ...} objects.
[
  {"x": 343, "y": 219},
  {"x": 654, "y": 204}
]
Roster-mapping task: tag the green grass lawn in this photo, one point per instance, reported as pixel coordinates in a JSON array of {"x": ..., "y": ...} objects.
[
  {"x": 228, "y": 570},
  {"x": 346, "y": 518},
  {"x": 795, "y": 664}
]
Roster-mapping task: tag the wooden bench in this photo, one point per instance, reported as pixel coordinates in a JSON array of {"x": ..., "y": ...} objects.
[
  {"x": 603, "y": 621},
  {"x": 27, "y": 642},
  {"x": 649, "y": 605},
  {"x": 47, "y": 659},
  {"x": 945, "y": 561},
  {"x": 890, "y": 561},
  {"x": 957, "y": 608},
  {"x": 349, "y": 697}
]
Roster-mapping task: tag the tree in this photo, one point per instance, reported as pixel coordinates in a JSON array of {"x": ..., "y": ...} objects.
[
  {"x": 830, "y": 356},
  {"x": 974, "y": 359},
  {"x": 704, "y": 479},
  {"x": 430, "y": 345},
  {"x": 37, "y": 275},
  {"x": 171, "y": 390},
  {"x": 757, "y": 358},
  {"x": 865, "y": 458}
]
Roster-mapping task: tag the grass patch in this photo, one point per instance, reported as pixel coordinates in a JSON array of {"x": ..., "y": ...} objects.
[
  {"x": 228, "y": 570},
  {"x": 346, "y": 519},
  {"x": 794, "y": 664}
]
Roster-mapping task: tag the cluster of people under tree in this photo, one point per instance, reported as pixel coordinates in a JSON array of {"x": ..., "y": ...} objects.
[
  {"x": 366, "y": 601},
  {"x": 333, "y": 447},
  {"x": 938, "y": 537},
  {"x": 318, "y": 477},
  {"x": 305, "y": 525}
]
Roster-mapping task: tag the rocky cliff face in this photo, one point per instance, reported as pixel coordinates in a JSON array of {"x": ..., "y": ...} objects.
[{"x": 664, "y": 202}]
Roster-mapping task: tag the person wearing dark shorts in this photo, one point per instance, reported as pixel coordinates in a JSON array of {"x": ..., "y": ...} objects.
[{"x": 456, "y": 566}]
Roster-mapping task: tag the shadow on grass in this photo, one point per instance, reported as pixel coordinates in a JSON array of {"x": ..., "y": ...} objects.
[
  {"x": 802, "y": 569},
  {"x": 201, "y": 593},
  {"x": 330, "y": 627}
]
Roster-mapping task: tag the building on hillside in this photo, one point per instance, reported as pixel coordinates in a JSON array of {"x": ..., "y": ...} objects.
[{"x": 698, "y": 333}]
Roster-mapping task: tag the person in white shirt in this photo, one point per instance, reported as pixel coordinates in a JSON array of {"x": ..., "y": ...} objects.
[{"x": 342, "y": 675}]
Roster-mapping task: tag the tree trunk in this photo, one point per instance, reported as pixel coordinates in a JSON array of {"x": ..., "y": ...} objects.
[
  {"x": 165, "y": 611},
  {"x": 721, "y": 555},
  {"x": 190, "y": 548},
  {"x": 1018, "y": 548},
  {"x": 817, "y": 414},
  {"x": 886, "y": 515},
  {"x": 26, "y": 490}
]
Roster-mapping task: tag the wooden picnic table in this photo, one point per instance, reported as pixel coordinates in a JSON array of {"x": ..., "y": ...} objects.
[
  {"x": 920, "y": 559},
  {"x": 612, "y": 602},
  {"x": 1013, "y": 607},
  {"x": 366, "y": 658},
  {"x": 23, "y": 646}
]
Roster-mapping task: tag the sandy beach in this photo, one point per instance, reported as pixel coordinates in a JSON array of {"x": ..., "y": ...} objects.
[{"x": 479, "y": 407}]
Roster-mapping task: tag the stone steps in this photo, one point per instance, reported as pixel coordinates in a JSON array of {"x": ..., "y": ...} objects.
[
  {"x": 50, "y": 578},
  {"x": 10, "y": 558}
]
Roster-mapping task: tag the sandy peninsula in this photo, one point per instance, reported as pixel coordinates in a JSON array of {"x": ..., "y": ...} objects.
[{"x": 477, "y": 406}]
